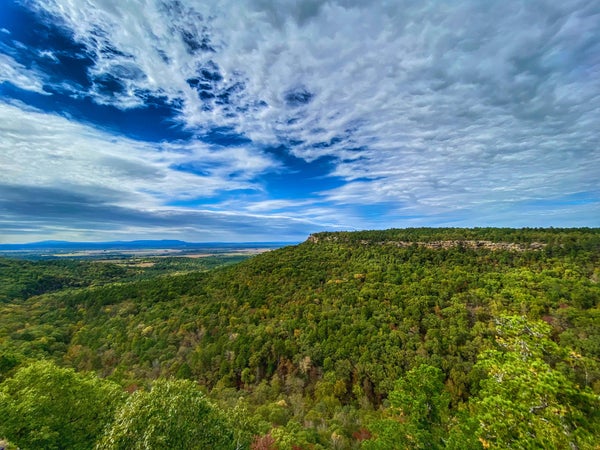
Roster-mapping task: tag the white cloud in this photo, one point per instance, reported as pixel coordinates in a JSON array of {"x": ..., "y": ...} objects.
[
  {"x": 19, "y": 75},
  {"x": 431, "y": 106},
  {"x": 65, "y": 180},
  {"x": 47, "y": 150}
]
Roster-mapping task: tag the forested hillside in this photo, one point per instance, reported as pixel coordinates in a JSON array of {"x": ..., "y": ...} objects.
[
  {"x": 418, "y": 338},
  {"x": 22, "y": 278}
]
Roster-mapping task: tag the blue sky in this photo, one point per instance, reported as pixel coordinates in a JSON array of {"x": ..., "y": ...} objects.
[{"x": 257, "y": 120}]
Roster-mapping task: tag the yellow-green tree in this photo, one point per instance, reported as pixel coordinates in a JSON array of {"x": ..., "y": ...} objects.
[
  {"x": 47, "y": 407},
  {"x": 173, "y": 414}
]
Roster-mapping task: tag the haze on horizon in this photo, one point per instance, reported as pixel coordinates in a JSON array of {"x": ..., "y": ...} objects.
[{"x": 251, "y": 120}]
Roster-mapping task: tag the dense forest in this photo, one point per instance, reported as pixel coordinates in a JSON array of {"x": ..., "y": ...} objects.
[{"x": 407, "y": 338}]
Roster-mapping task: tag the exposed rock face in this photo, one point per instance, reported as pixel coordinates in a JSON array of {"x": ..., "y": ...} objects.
[
  {"x": 442, "y": 245},
  {"x": 489, "y": 245}
]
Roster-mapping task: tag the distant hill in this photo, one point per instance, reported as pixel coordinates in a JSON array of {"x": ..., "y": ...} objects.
[{"x": 138, "y": 244}]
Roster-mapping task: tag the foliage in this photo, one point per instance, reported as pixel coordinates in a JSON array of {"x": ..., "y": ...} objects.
[
  {"x": 173, "y": 414},
  {"x": 6, "y": 445},
  {"x": 526, "y": 403},
  {"x": 419, "y": 410},
  {"x": 45, "y": 406},
  {"x": 20, "y": 279},
  {"x": 331, "y": 343}
]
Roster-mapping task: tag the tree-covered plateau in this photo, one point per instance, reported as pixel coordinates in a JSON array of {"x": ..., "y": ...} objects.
[{"x": 414, "y": 338}]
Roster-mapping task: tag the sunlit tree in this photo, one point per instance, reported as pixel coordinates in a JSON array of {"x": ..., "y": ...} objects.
[
  {"x": 45, "y": 406},
  {"x": 173, "y": 414}
]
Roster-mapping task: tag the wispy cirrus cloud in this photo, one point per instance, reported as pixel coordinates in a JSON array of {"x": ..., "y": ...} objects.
[
  {"x": 19, "y": 75},
  {"x": 87, "y": 181},
  {"x": 48, "y": 150}
]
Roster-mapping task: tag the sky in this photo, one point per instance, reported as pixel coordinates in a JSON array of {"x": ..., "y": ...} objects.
[{"x": 258, "y": 120}]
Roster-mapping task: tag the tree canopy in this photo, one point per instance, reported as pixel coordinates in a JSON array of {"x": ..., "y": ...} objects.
[
  {"x": 429, "y": 338},
  {"x": 49, "y": 407},
  {"x": 173, "y": 414}
]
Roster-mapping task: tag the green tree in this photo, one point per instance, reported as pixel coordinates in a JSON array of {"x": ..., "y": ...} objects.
[
  {"x": 173, "y": 414},
  {"x": 524, "y": 402},
  {"x": 45, "y": 406},
  {"x": 418, "y": 413}
]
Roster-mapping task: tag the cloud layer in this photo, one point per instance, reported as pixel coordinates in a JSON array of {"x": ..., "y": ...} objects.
[{"x": 467, "y": 113}]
